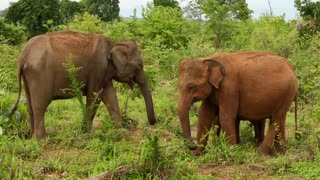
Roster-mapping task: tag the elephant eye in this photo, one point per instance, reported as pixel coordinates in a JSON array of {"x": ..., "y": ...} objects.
[{"x": 191, "y": 86}]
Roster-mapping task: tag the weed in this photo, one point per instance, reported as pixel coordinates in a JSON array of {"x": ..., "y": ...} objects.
[
  {"x": 18, "y": 124},
  {"x": 150, "y": 156},
  {"x": 76, "y": 89}
]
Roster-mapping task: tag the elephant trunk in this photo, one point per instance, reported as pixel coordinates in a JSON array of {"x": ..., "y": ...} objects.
[
  {"x": 183, "y": 113},
  {"x": 143, "y": 85}
]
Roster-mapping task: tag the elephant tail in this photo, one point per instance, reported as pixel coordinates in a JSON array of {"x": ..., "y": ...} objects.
[
  {"x": 295, "y": 112},
  {"x": 297, "y": 134},
  {"x": 15, "y": 106}
]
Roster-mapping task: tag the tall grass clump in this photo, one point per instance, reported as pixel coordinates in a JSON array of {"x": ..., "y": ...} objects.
[{"x": 17, "y": 124}]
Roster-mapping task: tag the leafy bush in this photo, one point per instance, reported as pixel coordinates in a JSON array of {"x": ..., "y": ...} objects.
[
  {"x": 8, "y": 66},
  {"x": 307, "y": 65},
  {"x": 273, "y": 34},
  {"x": 11, "y": 34},
  {"x": 34, "y": 15},
  {"x": 164, "y": 25},
  {"x": 18, "y": 124},
  {"x": 83, "y": 23},
  {"x": 120, "y": 31}
]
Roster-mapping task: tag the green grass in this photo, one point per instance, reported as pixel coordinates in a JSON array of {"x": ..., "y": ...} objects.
[{"x": 155, "y": 151}]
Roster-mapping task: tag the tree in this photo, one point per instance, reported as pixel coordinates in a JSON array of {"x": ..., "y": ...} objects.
[
  {"x": 166, "y": 3},
  {"x": 193, "y": 10},
  {"x": 310, "y": 12},
  {"x": 164, "y": 25},
  {"x": 221, "y": 14},
  {"x": 68, "y": 9},
  {"x": 107, "y": 10},
  {"x": 34, "y": 15}
]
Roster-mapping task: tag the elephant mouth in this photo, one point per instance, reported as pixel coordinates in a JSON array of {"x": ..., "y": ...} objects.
[
  {"x": 195, "y": 99},
  {"x": 128, "y": 81},
  {"x": 131, "y": 84}
]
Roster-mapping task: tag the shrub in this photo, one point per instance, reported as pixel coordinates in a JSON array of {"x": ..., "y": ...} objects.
[
  {"x": 119, "y": 31},
  {"x": 8, "y": 65},
  {"x": 18, "y": 124},
  {"x": 83, "y": 23},
  {"x": 12, "y": 35},
  {"x": 273, "y": 34},
  {"x": 164, "y": 25},
  {"x": 307, "y": 69}
]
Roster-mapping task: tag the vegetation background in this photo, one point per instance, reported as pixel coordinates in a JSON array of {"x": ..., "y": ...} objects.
[{"x": 166, "y": 34}]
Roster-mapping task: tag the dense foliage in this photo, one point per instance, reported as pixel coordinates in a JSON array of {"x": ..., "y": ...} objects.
[
  {"x": 310, "y": 11},
  {"x": 68, "y": 9},
  {"x": 34, "y": 15},
  {"x": 10, "y": 34},
  {"x": 107, "y": 10},
  {"x": 166, "y": 35},
  {"x": 166, "y": 3},
  {"x": 40, "y": 16}
]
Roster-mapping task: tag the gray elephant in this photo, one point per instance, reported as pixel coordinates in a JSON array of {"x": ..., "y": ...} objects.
[
  {"x": 244, "y": 85},
  {"x": 100, "y": 60}
]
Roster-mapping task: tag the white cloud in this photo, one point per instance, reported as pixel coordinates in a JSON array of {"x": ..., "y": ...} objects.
[
  {"x": 127, "y": 7},
  {"x": 5, "y": 3}
]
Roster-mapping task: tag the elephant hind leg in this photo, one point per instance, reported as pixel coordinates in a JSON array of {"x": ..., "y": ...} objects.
[
  {"x": 39, "y": 107},
  {"x": 265, "y": 146},
  {"x": 29, "y": 106},
  {"x": 280, "y": 139},
  {"x": 39, "y": 98},
  {"x": 275, "y": 134}
]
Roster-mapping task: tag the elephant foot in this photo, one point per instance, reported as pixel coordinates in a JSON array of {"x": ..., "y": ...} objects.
[
  {"x": 192, "y": 146},
  {"x": 281, "y": 149},
  {"x": 40, "y": 136},
  {"x": 263, "y": 150},
  {"x": 199, "y": 151}
]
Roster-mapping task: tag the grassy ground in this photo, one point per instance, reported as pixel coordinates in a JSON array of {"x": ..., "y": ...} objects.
[{"x": 150, "y": 152}]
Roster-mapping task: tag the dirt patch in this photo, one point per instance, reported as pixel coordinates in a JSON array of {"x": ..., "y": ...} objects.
[
  {"x": 240, "y": 171},
  {"x": 234, "y": 171},
  {"x": 56, "y": 175}
]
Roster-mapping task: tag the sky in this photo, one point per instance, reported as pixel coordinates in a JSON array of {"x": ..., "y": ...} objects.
[{"x": 279, "y": 7}]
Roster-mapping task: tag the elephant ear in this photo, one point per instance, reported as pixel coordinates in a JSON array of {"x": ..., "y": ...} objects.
[
  {"x": 119, "y": 57},
  {"x": 215, "y": 72}
]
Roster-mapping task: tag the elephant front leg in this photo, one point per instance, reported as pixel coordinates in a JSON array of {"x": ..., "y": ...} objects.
[
  {"x": 228, "y": 123},
  {"x": 228, "y": 114},
  {"x": 109, "y": 98},
  {"x": 91, "y": 109},
  {"x": 206, "y": 116}
]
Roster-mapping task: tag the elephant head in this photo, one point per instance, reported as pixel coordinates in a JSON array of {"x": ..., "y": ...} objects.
[
  {"x": 127, "y": 61},
  {"x": 196, "y": 81}
]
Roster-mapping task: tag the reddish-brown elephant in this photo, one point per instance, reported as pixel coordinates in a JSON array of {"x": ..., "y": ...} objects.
[
  {"x": 243, "y": 85},
  {"x": 100, "y": 60}
]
